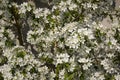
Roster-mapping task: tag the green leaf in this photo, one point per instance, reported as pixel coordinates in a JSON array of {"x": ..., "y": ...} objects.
[
  {"x": 1, "y": 76},
  {"x": 69, "y": 76},
  {"x": 3, "y": 60},
  {"x": 21, "y": 54},
  {"x": 109, "y": 77}
]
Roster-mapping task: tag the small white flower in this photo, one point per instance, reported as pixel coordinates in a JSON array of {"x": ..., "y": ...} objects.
[
  {"x": 86, "y": 66},
  {"x": 38, "y": 12},
  {"x": 22, "y": 10},
  {"x": 83, "y": 60},
  {"x": 72, "y": 6},
  {"x": 89, "y": 5},
  {"x": 59, "y": 61},
  {"x": 94, "y": 6},
  {"x": 62, "y": 58},
  {"x": 52, "y": 74},
  {"x": 65, "y": 58},
  {"x": 29, "y": 8},
  {"x": 97, "y": 76},
  {"x": 61, "y": 74},
  {"x": 117, "y": 77}
]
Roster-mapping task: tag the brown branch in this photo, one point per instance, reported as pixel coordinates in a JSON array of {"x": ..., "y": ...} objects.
[
  {"x": 14, "y": 12},
  {"x": 20, "y": 38}
]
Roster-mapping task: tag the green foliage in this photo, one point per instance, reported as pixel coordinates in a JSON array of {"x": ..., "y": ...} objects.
[
  {"x": 21, "y": 54},
  {"x": 3, "y": 60},
  {"x": 117, "y": 35},
  {"x": 100, "y": 37},
  {"x": 1, "y": 77}
]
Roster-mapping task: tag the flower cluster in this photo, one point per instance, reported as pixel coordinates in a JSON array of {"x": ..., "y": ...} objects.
[{"x": 66, "y": 42}]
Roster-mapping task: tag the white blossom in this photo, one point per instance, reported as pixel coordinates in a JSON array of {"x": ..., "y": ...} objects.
[
  {"x": 117, "y": 77},
  {"x": 65, "y": 41},
  {"x": 83, "y": 60},
  {"x": 61, "y": 74}
]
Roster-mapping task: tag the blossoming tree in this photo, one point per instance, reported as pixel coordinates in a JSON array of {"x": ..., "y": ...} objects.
[{"x": 65, "y": 42}]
